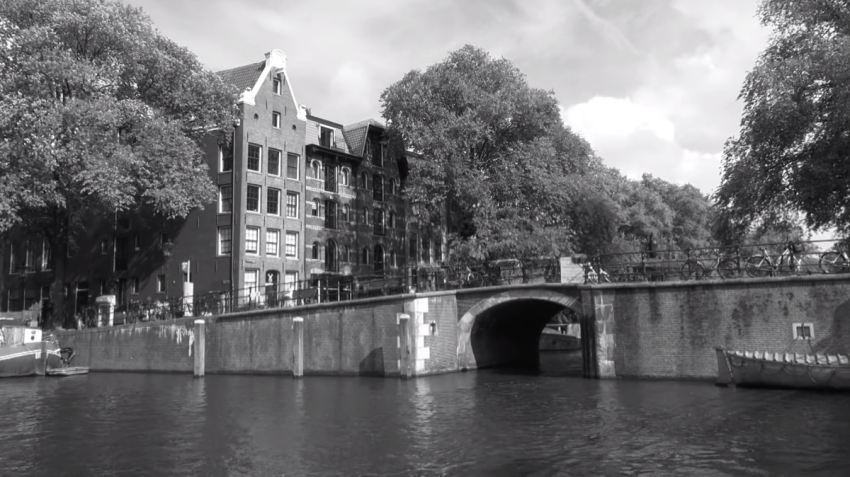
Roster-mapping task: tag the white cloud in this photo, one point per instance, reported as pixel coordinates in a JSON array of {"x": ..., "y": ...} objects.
[{"x": 604, "y": 118}]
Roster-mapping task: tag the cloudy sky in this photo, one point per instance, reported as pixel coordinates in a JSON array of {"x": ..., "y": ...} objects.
[{"x": 651, "y": 84}]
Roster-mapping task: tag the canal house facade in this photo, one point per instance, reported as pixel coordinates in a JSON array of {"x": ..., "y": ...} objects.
[{"x": 298, "y": 196}]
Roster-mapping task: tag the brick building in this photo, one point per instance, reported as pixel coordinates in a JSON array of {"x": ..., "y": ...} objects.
[{"x": 298, "y": 196}]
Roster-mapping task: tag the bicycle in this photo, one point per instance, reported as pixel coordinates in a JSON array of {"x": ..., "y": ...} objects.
[
  {"x": 835, "y": 262},
  {"x": 594, "y": 277},
  {"x": 693, "y": 268},
  {"x": 465, "y": 278},
  {"x": 762, "y": 265}
]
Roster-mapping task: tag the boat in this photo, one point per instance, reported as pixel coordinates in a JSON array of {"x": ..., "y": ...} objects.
[
  {"x": 559, "y": 338},
  {"x": 23, "y": 352},
  {"x": 69, "y": 371},
  {"x": 783, "y": 370}
]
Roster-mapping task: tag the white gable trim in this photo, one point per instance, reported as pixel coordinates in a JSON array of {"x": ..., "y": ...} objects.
[{"x": 275, "y": 61}]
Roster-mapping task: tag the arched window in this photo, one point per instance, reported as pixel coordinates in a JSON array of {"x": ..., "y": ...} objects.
[
  {"x": 364, "y": 259},
  {"x": 344, "y": 176},
  {"x": 366, "y": 215},
  {"x": 364, "y": 180},
  {"x": 392, "y": 259},
  {"x": 392, "y": 190},
  {"x": 330, "y": 214},
  {"x": 316, "y": 204},
  {"x": 343, "y": 215},
  {"x": 391, "y": 221},
  {"x": 316, "y": 169},
  {"x": 314, "y": 254},
  {"x": 344, "y": 254},
  {"x": 330, "y": 256},
  {"x": 379, "y": 258},
  {"x": 377, "y": 188}
]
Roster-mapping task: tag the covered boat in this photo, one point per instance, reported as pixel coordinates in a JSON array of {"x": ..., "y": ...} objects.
[
  {"x": 783, "y": 370},
  {"x": 23, "y": 352}
]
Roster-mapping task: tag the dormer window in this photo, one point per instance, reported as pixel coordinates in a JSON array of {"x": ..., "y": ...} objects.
[
  {"x": 326, "y": 137},
  {"x": 276, "y": 86}
]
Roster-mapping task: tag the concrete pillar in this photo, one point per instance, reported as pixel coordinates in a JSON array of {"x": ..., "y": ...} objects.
[
  {"x": 404, "y": 352},
  {"x": 200, "y": 347},
  {"x": 298, "y": 347}
]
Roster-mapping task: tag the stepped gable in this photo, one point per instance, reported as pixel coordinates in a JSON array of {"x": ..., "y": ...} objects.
[
  {"x": 243, "y": 77},
  {"x": 355, "y": 134}
]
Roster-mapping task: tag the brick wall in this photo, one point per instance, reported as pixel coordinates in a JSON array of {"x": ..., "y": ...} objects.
[{"x": 670, "y": 330}]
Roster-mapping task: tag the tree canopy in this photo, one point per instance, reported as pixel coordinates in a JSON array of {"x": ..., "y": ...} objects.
[
  {"x": 791, "y": 154},
  {"x": 101, "y": 113}
]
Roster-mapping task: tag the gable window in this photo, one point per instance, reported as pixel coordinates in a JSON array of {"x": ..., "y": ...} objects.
[
  {"x": 252, "y": 240},
  {"x": 275, "y": 86},
  {"x": 225, "y": 240},
  {"x": 292, "y": 166},
  {"x": 273, "y": 166},
  {"x": 273, "y": 202},
  {"x": 254, "y": 153},
  {"x": 291, "y": 244},
  {"x": 292, "y": 205},
  {"x": 377, "y": 188},
  {"x": 225, "y": 158},
  {"x": 253, "y": 202},
  {"x": 276, "y": 119},
  {"x": 272, "y": 243},
  {"x": 225, "y": 199},
  {"x": 326, "y": 137},
  {"x": 344, "y": 176}
]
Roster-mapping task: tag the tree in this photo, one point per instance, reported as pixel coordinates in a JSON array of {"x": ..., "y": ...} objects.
[
  {"x": 792, "y": 153},
  {"x": 102, "y": 115},
  {"x": 495, "y": 149}
]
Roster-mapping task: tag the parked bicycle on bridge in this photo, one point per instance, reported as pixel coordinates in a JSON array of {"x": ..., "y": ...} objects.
[
  {"x": 763, "y": 265},
  {"x": 836, "y": 261},
  {"x": 694, "y": 269}
]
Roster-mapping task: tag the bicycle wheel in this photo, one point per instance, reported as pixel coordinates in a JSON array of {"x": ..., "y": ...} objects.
[
  {"x": 758, "y": 266},
  {"x": 474, "y": 280},
  {"x": 833, "y": 262},
  {"x": 727, "y": 268},
  {"x": 692, "y": 269}
]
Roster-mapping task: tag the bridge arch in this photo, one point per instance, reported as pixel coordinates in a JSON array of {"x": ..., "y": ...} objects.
[{"x": 505, "y": 327}]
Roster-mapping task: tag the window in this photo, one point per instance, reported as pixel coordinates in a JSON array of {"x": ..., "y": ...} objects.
[
  {"x": 46, "y": 255},
  {"x": 14, "y": 300},
  {"x": 273, "y": 243},
  {"x": 413, "y": 241},
  {"x": 364, "y": 256},
  {"x": 364, "y": 180},
  {"x": 163, "y": 238},
  {"x": 377, "y": 188},
  {"x": 160, "y": 283},
  {"x": 344, "y": 254},
  {"x": 121, "y": 253},
  {"x": 103, "y": 288},
  {"x": 254, "y": 153},
  {"x": 353, "y": 255},
  {"x": 392, "y": 259},
  {"x": 316, "y": 170},
  {"x": 291, "y": 244},
  {"x": 378, "y": 258},
  {"x": 225, "y": 199},
  {"x": 330, "y": 178},
  {"x": 290, "y": 280},
  {"x": 343, "y": 216},
  {"x": 273, "y": 168},
  {"x": 438, "y": 249},
  {"x": 29, "y": 259},
  {"x": 292, "y": 205},
  {"x": 225, "y": 240},
  {"x": 275, "y": 86},
  {"x": 330, "y": 214},
  {"x": 12, "y": 258},
  {"x": 273, "y": 202},
  {"x": 316, "y": 212},
  {"x": 104, "y": 245},
  {"x": 314, "y": 251},
  {"x": 803, "y": 331},
  {"x": 292, "y": 166},
  {"x": 392, "y": 190},
  {"x": 391, "y": 221},
  {"x": 326, "y": 137},
  {"x": 225, "y": 158},
  {"x": 378, "y": 222},
  {"x": 252, "y": 276},
  {"x": 134, "y": 286},
  {"x": 136, "y": 243},
  {"x": 344, "y": 176},
  {"x": 252, "y": 240},
  {"x": 366, "y": 215},
  {"x": 253, "y": 203},
  {"x": 426, "y": 249},
  {"x": 378, "y": 154},
  {"x": 276, "y": 119}
]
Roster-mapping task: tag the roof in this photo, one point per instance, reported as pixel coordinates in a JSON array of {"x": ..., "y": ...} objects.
[
  {"x": 355, "y": 134},
  {"x": 243, "y": 77}
]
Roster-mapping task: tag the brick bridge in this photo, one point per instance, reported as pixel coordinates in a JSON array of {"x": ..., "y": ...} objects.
[{"x": 658, "y": 330}]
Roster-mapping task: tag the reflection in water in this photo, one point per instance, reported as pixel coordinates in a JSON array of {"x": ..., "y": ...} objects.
[{"x": 502, "y": 422}]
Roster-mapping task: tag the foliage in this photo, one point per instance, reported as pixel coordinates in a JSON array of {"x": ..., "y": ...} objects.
[
  {"x": 102, "y": 114},
  {"x": 494, "y": 148},
  {"x": 792, "y": 150}
]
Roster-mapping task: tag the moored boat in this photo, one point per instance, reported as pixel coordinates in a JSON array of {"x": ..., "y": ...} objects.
[
  {"x": 23, "y": 352},
  {"x": 783, "y": 370}
]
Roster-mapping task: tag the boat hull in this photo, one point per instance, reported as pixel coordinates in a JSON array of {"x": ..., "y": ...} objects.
[
  {"x": 783, "y": 370},
  {"x": 25, "y": 359},
  {"x": 69, "y": 371}
]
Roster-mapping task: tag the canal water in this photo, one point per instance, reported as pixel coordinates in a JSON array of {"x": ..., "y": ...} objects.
[{"x": 519, "y": 422}]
